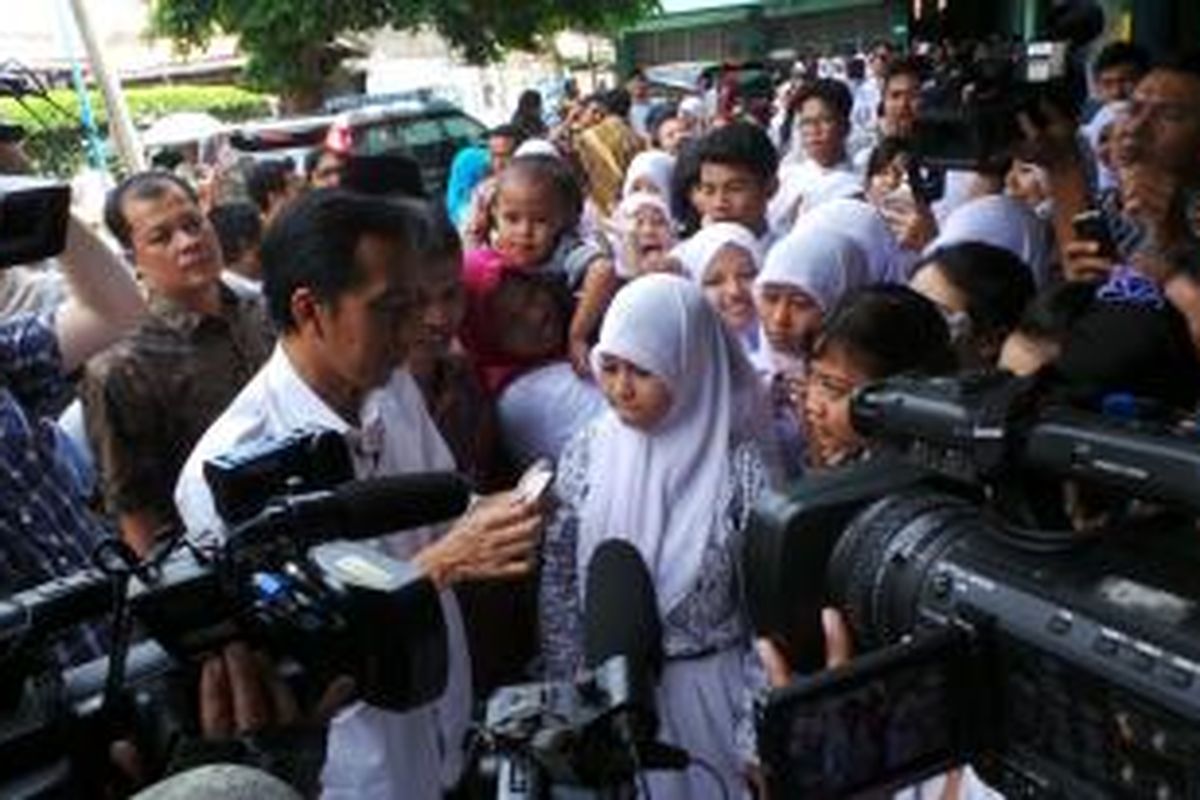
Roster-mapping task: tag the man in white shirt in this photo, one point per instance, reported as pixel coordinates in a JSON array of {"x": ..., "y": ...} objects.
[
  {"x": 823, "y": 122},
  {"x": 339, "y": 274}
]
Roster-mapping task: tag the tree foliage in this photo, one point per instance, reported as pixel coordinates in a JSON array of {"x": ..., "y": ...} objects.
[
  {"x": 55, "y": 136},
  {"x": 292, "y": 45}
]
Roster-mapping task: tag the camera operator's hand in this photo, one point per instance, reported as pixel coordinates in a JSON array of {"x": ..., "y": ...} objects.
[
  {"x": 1083, "y": 261},
  {"x": 241, "y": 693},
  {"x": 494, "y": 539},
  {"x": 839, "y": 647}
]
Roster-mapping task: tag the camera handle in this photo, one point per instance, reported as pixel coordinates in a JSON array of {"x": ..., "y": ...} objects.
[{"x": 518, "y": 777}]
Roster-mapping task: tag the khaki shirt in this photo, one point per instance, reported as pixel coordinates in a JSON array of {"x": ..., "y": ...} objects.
[{"x": 148, "y": 399}]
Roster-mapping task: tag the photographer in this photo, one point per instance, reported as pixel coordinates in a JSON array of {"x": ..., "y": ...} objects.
[
  {"x": 340, "y": 272},
  {"x": 46, "y": 529},
  {"x": 1158, "y": 165}
]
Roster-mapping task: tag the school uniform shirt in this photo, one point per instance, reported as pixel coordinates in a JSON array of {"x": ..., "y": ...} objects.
[{"x": 371, "y": 753}]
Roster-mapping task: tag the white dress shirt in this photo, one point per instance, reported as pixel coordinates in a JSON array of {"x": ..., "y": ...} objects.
[{"x": 371, "y": 753}]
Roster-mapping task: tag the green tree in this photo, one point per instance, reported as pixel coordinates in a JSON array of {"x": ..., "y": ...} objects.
[{"x": 293, "y": 45}]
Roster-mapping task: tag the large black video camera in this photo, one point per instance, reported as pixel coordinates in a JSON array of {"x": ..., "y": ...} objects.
[
  {"x": 286, "y": 579},
  {"x": 972, "y": 119},
  {"x": 1059, "y": 663},
  {"x": 33, "y": 219}
]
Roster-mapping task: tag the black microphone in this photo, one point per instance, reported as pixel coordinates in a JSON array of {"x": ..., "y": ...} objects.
[
  {"x": 622, "y": 638},
  {"x": 362, "y": 509},
  {"x": 620, "y": 610}
]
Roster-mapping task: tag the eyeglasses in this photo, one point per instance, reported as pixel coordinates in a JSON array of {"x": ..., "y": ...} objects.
[{"x": 815, "y": 122}]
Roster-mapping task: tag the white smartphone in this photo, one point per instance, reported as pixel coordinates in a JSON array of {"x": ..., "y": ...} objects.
[{"x": 536, "y": 481}]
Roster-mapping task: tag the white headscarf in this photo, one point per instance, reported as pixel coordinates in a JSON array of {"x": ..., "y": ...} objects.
[
  {"x": 1107, "y": 115},
  {"x": 625, "y": 219},
  {"x": 696, "y": 253},
  {"x": 861, "y": 222},
  {"x": 537, "y": 147},
  {"x": 656, "y": 165},
  {"x": 1004, "y": 222},
  {"x": 820, "y": 262},
  {"x": 661, "y": 489}
]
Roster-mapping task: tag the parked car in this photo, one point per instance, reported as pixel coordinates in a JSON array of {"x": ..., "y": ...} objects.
[{"x": 425, "y": 128}]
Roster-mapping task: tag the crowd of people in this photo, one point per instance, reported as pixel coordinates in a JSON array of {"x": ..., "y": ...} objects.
[{"x": 673, "y": 302}]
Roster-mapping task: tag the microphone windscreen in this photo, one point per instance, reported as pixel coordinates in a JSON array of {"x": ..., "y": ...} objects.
[
  {"x": 620, "y": 615},
  {"x": 228, "y": 781},
  {"x": 377, "y": 506}
]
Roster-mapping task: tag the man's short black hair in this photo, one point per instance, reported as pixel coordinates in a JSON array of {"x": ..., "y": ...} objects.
[
  {"x": 833, "y": 93},
  {"x": 312, "y": 244},
  {"x": 1119, "y": 54},
  {"x": 266, "y": 178},
  {"x": 740, "y": 144},
  {"x": 617, "y": 102},
  {"x": 238, "y": 226},
  {"x": 903, "y": 66},
  {"x": 148, "y": 185},
  {"x": 505, "y": 131}
]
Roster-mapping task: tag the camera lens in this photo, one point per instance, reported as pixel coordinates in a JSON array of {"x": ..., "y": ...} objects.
[{"x": 884, "y": 556}]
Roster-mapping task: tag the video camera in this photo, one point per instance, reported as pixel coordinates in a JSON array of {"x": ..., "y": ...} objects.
[
  {"x": 33, "y": 218},
  {"x": 591, "y": 736},
  {"x": 1059, "y": 663},
  {"x": 286, "y": 580},
  {"x": 973, "y": 121}
]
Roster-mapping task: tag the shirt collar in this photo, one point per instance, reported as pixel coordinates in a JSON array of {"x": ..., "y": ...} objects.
[
  {"x": 185, "y": 320},
  {"x": 296, "y": 405}
]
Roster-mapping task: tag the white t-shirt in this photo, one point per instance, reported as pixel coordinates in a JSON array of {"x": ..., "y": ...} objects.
[{"x": 371, "y": 753}]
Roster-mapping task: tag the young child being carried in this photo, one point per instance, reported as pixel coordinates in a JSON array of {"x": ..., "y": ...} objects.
[{"x": 535, "y": 214}]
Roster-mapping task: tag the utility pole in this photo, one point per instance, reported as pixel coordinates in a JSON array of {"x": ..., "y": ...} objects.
[{"x": 120, "y": 124}]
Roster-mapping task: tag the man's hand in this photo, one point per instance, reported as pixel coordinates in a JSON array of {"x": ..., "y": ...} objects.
[
  {"x": 580, "y": 353},
  {"x": 839, "y": 647},
  {"x": 1150, "y": 196},
  {"x": 241, "y": 693},
  {"x": 495, "y": 539},
  {"x": 1082, "y": 261}
]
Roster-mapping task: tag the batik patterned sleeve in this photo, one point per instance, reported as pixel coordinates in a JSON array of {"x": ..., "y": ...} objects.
[{"x": 560, "y": 621}]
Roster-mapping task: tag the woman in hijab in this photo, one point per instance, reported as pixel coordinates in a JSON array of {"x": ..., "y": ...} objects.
[
  {"x": 1003, "y": 222},
  {"x": 651, "y": 172},
  {"x": 673, "y": 468},
  {"x": 805, "y": 276},
  {"x": 724, "y": 259},
  {"x": 645, "y": 233},
  {"x": 467, "y": 171},
  {"x": 605, "y": 151},
  {"x": 860, "y": 221}
]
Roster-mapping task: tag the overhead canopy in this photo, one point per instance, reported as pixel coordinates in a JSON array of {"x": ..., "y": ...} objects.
[{"x": 181, "y": 128}]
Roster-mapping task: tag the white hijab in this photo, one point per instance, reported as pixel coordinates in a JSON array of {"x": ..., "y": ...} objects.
[
  {"x": 1004, "y": 222},
  {"x": 860, "y": 221},
  {"x": 625, "y": 221},
  {"x": 656, "y": 165},
  {"x": 1107, "y": 115},
  {"x": 820, "y": 262},
  {"x": 661, "y": 490},
  {"x": 537, "y": 147},
  {"x": 697, "y": 253}
]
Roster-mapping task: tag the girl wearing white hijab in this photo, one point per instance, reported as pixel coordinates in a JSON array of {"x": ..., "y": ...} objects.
[
  {"x": 1003, "y": 222},
  {"x": 650, "y": 171},
  {"x": 672, "y": 467},
  {"x": 723, "y": 259},
  {"x": 862, "y": 222},
  {"x": 806, "y": 274},
  {"x": 645, "y": 231}
]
